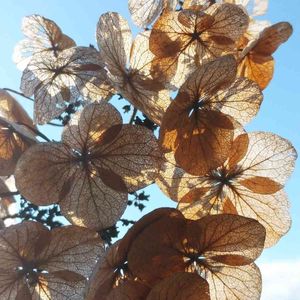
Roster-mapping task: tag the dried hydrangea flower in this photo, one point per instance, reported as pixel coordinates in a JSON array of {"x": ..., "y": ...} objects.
[
  {"x": 250, "y": 183},
  {"x": 40, "y": 264},
  {"x": 200, "y": 122},
  {"x": 57, "y": 81},
  {"x": 220, "y": 249},
  {"x": 94, "y": 167},
  {"x": 190, "y": 37}
]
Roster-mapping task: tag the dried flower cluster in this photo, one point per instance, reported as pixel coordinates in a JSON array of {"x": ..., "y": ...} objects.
[{"x": 214, "y": 59}]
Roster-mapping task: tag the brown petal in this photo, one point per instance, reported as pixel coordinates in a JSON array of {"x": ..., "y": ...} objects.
[
  {"x": 231, "y": 21},
  {"x": 13, "y": 286},
  {"x": 71, "y": 249},
  {"x": 226, "y": 235},
  {"x": 112, "y": 180},
  {"x": 14, "y": 140},
  {"x": 145, "y": 221},
  {"x": 90, "y": 124},
  {"x": 42, "y": 171},
  {"x": 109, "y": 282},
  {"x": 134, "y": 155},
  {"x": 90, "y": 202},
  {"x": 153, "y": 254},
  {"x": 131, "y": 290},
  {"x": 241, "y": 101},
  {"x": 12, "y": 111},
  {"x": 261, "y": 185},
  {"x": 18, "y": 246},
  {"x": 114, "y": 40},
  {"x": 186, "y": 286},
  {"x": 55, "y": 286},
  {"x": 176, "y": 183},
  {"x": 47, "y": 76},
  {"x": 272, "y": 37},
  {"x": 263, "y": 208},
  {"x": 144, "y": 12},
  {"x": 206, "y": 138},
  {"x": 233, "y": 282},
  {"x": 238, "y": 150},
  {"x": 268, "y": 155},
  {"x": 257, "y": 68}
]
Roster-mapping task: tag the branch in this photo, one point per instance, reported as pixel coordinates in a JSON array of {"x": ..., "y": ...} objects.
[
  {"x": 133, "y": 116},
  {"x": 55, "y": 124},
  {"x": 9, "y": 194},
  {"x": 36, "y": 131},
  {"x": 18, "y": 93},
  {"x": 10, "y": 217}
]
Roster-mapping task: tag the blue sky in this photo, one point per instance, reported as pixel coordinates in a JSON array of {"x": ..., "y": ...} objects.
[{"x": 279, "y": 112}]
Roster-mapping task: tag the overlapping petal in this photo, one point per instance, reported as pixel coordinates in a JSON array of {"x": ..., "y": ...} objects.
[
  {"x": 135, "y": 82},
  {"x": 144, "y": 12},
  {"x": 256, "y": 61},
  {"x": 16, "y": 133}
]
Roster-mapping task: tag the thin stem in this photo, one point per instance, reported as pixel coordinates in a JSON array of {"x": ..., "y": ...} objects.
[
  {"x": 10, "y": 217},
  {"x": 133, "y": 115},
  {"x": 9, "y": 194},
  {"x": 55, "y": 124},
  {"x": 36, "y": 131},
  {"x": 18, "y": 93}
]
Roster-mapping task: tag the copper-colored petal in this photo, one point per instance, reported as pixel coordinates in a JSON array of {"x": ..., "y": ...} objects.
[
  {"x": 13, "y": 286},
  {"x": 73, "y": 249},
  {"x": 261, "y": 185},
  {"x": 272, "y": 37},
  {"x": 257, "y": 68},
  {"x": 90, "y": 202},
  {"x": 109, "y": 282},
  {"x": 233, "y": 282},
  {"x": 114, "y": 40},
  {"x": 238, "y": 150},
  {"x": 153, "y": 254},
  {"x": 14, "y": 140},
  {"x": 241, "y": 101},
  {"x": 205, "y": 137},
  {"x": 11, "y": 110},
  {"x": 131, "y": 290},
  {"x": 134, "y": 155},
  {"x": 144, "y": 12},
  {"x": 42, "y": 172},
  {"x": 268, "y": 155},
  {"x": 47, "y": 77},
  {"x": 181, "y": 286},
  {"x": 89, "y": 125},
  {"x": 59, "y": 286},
  {"x": 231, "y": 21},
  {"x": 226, "y": 235},
  {"x": 145, "y": 221},
  {"x": 176, "y": 183}
]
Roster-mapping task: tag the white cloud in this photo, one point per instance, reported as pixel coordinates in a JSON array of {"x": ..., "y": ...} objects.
[{"x": 281, "y": 280}]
